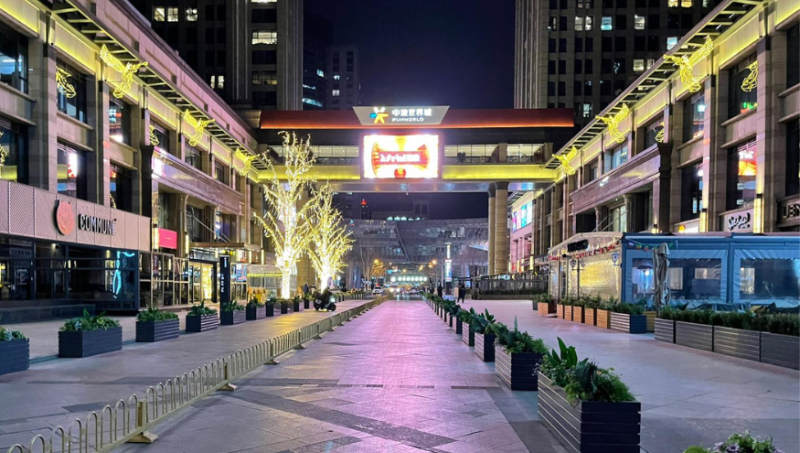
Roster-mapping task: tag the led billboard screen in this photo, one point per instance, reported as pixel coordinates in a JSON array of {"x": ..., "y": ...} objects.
[
  {"x": 522, "y": 217},
  {"x": 400, "y": 156}
]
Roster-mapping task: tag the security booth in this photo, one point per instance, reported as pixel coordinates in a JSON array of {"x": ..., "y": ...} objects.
[{"x": 712, "y": 270}]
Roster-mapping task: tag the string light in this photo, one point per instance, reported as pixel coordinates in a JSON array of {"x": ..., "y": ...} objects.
[
  {"x": 330, "y": 236},
  {"x": 126, "y": 71},
  {"x": 613, "y": 123},
  {"x": 198, "y": 125},
  {"x": 687, "y": 64}
]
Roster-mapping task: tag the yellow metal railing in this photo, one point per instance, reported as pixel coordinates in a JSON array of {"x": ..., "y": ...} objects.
[{"x": 130, "y": 420}]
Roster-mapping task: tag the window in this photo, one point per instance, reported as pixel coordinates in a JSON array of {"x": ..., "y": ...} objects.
[
  {"x": 578, "y": 44},
  {"x": 618, "y": 219},
  {"x": 264, "y": 57},
  {"x": 622, "y": 22},
  {"x": 793, "y": 157},
  {"x": 577, "y": 89},
  {"x": 587, "y": 110},
  {"x": 607, "y": 23},
  {"x": 194, "y": 157},
  {"x": 221, "y": 173},
  {"x": 551, "y": 67},
  {"x": 793, "y": 56},
  {"x": 562, "y": 45},
  {"x": 638, "y": 65},
  {"x": 606, "y": 44},
  {"x": 638, "y": 22},
  {"x": 162, "y": 136},
  {"x": 769, "y": 279},
  {"x": 264, "y": 16},
  {"x": 172, "y": 14},
  {"x": 119, "y": 121},
  {"x": 15, "y": 141},
  {"x": 335, "y": 92},
  {"x": 590, "y": 44},
  {"x": 13, "y": 58},
  {"x": 191, "y": 14},
  {"x": 739, "y": 100},
  {"x": 265, "y": 98},
  {"x": 615, "y": 157},
  {"x": 588, "y": 66},
  {"x": 585, "y": 4},
  {"x": 694, "y": 110},
  {"x": 120, "y": 188},
  {"x": 159, "y": 14},
  {"x": 551, "y": 45},
  {"x": 320, "y": 73},
  {"x": 578, "y": 65},
  {"x": 562, "y": 22},
  {"x": 578, "y": 23},
  {"x": 71, "y": 172},
  {"x": 552, "y": 24},
  {"x": 313, "y": 102},
  {"x": 265, "y": 37},
  {"x": 671, "y": 42},
  {"x": 587, "y": 88},
  {"x": 742, "y": 169},
  {"x": 691, "y": 191},
  {"x": 562, "y": 89},
  {"x": 337, "y": 77},
  {"x": 593, "y": 172},
  {"x": 620, "y": 44},
  {"x": 221, "y": 38},
  {"x": 653, "y": 21},
  {"x": 588, "y": 23},
  {"x": 562, "y": 66},
  {"x": 265, "y": 78},
  {"x": 74, "y": 106},
  {"x": 551, "y": 90},
  {"x": 694, "y": 279},
  {"x": 650, "y": 63},
  {"x": 651, "y": 132},
  {"x": 619, "y": 66}
]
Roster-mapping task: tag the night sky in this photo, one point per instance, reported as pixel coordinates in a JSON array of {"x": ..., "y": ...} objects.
[{"x": 430, "y": 52}]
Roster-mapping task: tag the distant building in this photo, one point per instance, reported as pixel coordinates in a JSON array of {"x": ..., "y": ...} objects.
[
  {"x": 317, "y": 39},
  {"x": 345, "y": 83}
]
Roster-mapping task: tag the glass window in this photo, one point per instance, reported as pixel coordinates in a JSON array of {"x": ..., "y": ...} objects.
[
  {"x": 264, "y": 15},
  {"x": 264, "y": 57},
  {"x": 172, "y": 14},
  {"x": 643, "y": 279},
  {"x": 793, "y": 157},
  {"x": 121, "y": 188},
  {"x": 191, "y": 14},
  {"x": 740, "y": 100},
  {"x": 14, "y": 139},
  {"x": 13, "y": 58},
  {"x": 691, "y": 191},
  {"x": 552, "y": 25},
  {"x": 742, "y": 176},
  {"x": 588, "y": 23},
  {"x": 638, "y": 65},
  {"x": 770, "y": 280},
  {"x": 593, "y": 172},
  {"x": 265, "y": 37},
  {"x": 607, "y": 23},
  {"x": 639, "y": 22},
  {"x": 265, "y": 78},
  {"x": 161, "y": 135},
  {"x": 335, "y": 92},
  {"x": 615, "y": 157},
  {"x": 194, "y": 157},
  {"x": 159, "y": 14},
  {"x": 72, "y": 175},
  {"x": 221, "y": 173},
  {"x": 651, "y": 133},
  {"x": 119, "y": 121},
  {"x": 694, "y": 278},
  {"x": 587, "y": 87},
  {"x": 71, "y": 100},
  {"x": 694, "y": 116},
  {"x": 618, "y": 219},
  {"x": 793, "y": 56},
  {"x": 671, "y": 42},
  {"x": 586, "y": 110},
  {"x": 164, "y": 220},
  {"x": 578, "y": 23}
]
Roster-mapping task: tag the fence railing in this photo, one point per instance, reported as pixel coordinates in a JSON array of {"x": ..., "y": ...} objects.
[{"x": 129, "y": 420}]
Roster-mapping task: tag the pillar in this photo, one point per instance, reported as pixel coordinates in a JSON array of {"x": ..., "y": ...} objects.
[
  {"x": 770, "y": 160},
  {"x": 43, "y": 148},
  {"x": 601, "y": 216},
  {"x": 501, "y": 244},
  {"x": 491, "y": 228},
  {"x": 631, "y": 213}
]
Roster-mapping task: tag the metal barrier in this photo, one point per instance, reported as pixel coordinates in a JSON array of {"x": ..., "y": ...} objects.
[{"x": 129, "y": 421}]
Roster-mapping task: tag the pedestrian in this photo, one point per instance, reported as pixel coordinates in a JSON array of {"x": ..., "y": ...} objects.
[
  {"x": 462, "y": 293},
  {"x": 439, "y": 290},
  {"x": 305, "y": 290}
]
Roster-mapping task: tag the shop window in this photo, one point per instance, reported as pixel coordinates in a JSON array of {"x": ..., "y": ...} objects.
[
  {"x": 618, "y": 219},
  {"x": 121, "y": 188},
  {"x": 13, "y": 58},
  {"x": 742, "y": 172},
  {"x": 164, "y": 219},
  {"x": 691, "y": 191},
  {"x": 72, "y": 102},
  {"x": 194, "y": 157},
  {"x": 14, "y": 140},
  {"x": 194, "y": 223},
  {"x": 72, "y": 172},
  {"x": 694, "y": 116},
  {"x": 739, "y": 100},
  {"x": 643, "y": 279},
  {"x": 264, "y": 37},
  {"x": 769, "y": 280},
  {"x": 161, "y": 135},
  {"x": 793, "y": 56},
  {"x": 793, "y": 157},
  {"x": 694, "y": 278},
  {"x": 615, "y": 157},
  {"x": 119, "y": 121},
  {"x": 651, "y": 133},
  {"x": 221, "y": 173}
]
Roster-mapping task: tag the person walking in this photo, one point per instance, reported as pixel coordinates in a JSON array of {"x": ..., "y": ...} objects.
[
  {"x": 462, "y": 293},
  {"x": 439, "y": 290},
  {"x": 305, "y": 290}
]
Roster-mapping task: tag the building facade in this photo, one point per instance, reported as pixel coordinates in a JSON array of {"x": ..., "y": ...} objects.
[
  {"x": 582, "y": 54},
  {"x": 317, "y": 39},
  {"x": 345, "y": 83},
  {"x": 249, "y": 52}
]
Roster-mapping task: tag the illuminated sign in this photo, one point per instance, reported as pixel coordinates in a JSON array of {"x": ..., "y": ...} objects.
[
  {"x": 400, "y": 156},
  {"x": 398, "y": 116},
  {"x": 522, "y": 217}
]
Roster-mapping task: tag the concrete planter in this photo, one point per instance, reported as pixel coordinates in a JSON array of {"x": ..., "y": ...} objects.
[
  {"x": 468, "y": 336},
  {"x": 231, "y": 318},
  {"x": 196, "y": 324},
  {"x": 15, "y": 355},
  {"x": 696, "y": 336},
  {"x": 745, "y": 344},
  {"x": 517, "y": 370},
  {"x": 254, "y": 313},
  {"x": 152, "y": 331},
  {"x": 589, "y": 427},
  {"x": 603, "y": 319},
  {"x": 629, "y": 323},
  {"x": 89, "y": 342},
  {"x": 577, "y": 314},
  {"x": 781, "y": 350},
  {"x": 665, "y": 330},
  {"x": 651, "y": 320},
  {"x": 484, "y": 347},
  {"x": 589, "y": 316}
]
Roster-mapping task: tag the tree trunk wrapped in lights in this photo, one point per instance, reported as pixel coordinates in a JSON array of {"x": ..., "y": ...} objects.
[
  {"x": 287, "y": 222},
  {"x": 331, "y": 238}
]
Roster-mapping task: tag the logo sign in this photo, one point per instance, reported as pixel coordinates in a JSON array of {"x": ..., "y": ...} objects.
[
  {"x": 789, "y": 212},
  {"x": 400, "y": 116},
  {"x": 739, "y": 222},
  {"x": 224, "y": 279},
  {"x": 96, "y": 225},
  {"x": 401, "y": 156},
  {"x": 65, "y": 217},
  {"x": 167, "y": 239}
]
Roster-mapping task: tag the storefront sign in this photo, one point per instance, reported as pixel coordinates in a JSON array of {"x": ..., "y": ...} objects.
[
  {"x": 65, "y": 217},
  {"x": 167, "y": 239},
  {"x": 224, "y": 279},
  {"x": 400, "y": 156},
  {"x": 394, "y": 116},
  {"x": 95, "y": 225},
  {"x": 739, "y": 222},
  {"x": 789, "y": 212}
]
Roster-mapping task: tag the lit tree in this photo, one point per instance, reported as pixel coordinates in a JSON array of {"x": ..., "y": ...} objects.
[
  {"x": 285, "y": 223},
  {"x": 330, "y": 236}
]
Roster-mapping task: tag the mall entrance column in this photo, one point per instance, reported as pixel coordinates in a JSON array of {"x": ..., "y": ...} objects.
[
  {"x": 491, "y": 229},
  {"x": 501, "y": 244}
]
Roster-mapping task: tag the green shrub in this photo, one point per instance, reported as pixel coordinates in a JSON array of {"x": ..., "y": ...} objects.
[
  {"x": 556, "y": 366},
  {"x": 254, "y": 303},
  {"x": 271, "y": 301},
  {"x": 784, "y": 324},
  {"x": 514, "y": 341},
  {"x": 10, "y": 335},
  {"x": 201, "y": 310},
  {"x": 232, "y": 306},
  {"x": 153, "y": 314},
  {"x": 544, "y": 298},
  {"x": 738, "y": 443},
  {"x": 627, "y": 309},
  {"x": 89, "y": 322},
  {"x": 588, "y": 382},
  {"x": 481, "y": 322}
]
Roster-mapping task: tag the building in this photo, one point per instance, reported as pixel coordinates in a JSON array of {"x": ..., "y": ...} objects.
[
  {"x": 345, "y": 84},
  {"x": 703, "y": 150},
  {"x": 582, "y": 54},
  {"x": 249, "y": 52},
  {"x": 521, "y": 233},
  {"x": 121, "y": 187},
  {"x": 317, "y": 39}
]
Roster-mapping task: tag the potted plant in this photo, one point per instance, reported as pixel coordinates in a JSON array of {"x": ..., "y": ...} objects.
[
  {"x": 156, "y": 325},
  {"x": 232, "y": 314},
  {"x": 780, "y": 339},
  {"x": 517, "y": 356},
  {"x": 468, "y": 334},
  {"x": 693, "y": 328},
  {"x": 307, "y": 302},
  {"x": 603, "y": 313},
  {"x": 89, "y": 335},
  {"x": 14, "y": 351},
  {"x": 270, "y": 306},
  {"x": 739, "y": 443},
  {"x": 460, "y": 315},
  {"x": 628, "y": 318},
  {"x": 296, "y": 304},
  {"x": 545, "y": 304},
  {"x": 568, "y": 307},
  {"x": 586, "y": 407},
  {"x": 485, "y": 332},
  {"x": 577, "y": 309},
  {"x": 665, "y": 325},
  {"x": 201, "y": 318},
  {"x": 284, "y": 306},
  {"x": 590, "y": 306},
  {"x": 255, "y": 310}
]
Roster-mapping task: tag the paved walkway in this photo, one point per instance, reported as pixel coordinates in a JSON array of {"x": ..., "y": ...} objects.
[
  {"x": 688, "y": 396},
  {"x": 394, "y": 380},
  {"x": 56, "y": 391}
]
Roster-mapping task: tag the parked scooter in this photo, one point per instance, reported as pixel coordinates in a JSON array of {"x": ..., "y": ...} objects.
[{"x": 324, "y": 301}]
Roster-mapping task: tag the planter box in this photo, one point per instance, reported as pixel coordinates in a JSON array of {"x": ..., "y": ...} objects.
[
  {"x": 270, "y": 309},
  {"x": 253, "y": 313},
  {"x": 201, "y": 323},
  {"x": 629, "y": 323},
  {"x": 745, "y": 344},
  {"x": 89, "y": 343},
  {"x": 150, "y": 332},
  {"x": 468, "y": 336},
  {"x": 450, "y": 320},
  {"x": 306, "y": 304},
  {"x": 781, "y": 350},
  {"x": 589, "y": 316},
  {"x": 15, "y": 356},
  {"x": 602, "y": 319},
  {"x": 518, "y": 370},
  {"x": 665, "y": 330},
  {"x": 577, "y": 314},
  {"x": 284, "y": 309},
  {"x": 296, "y": 307},
  {"x": 696, "y": 336},
  {"x": 484, "y": 347},
  {"x": 651, "y": 320},
  {"x": 544, "y": 309},
  {"x": 589, "y": 427},
  {"x": 560, "y": 311},
  {"x": 459, "y": 327},
  {"x": 568, "y": 309},
  {"x": 231, "y": 318}
]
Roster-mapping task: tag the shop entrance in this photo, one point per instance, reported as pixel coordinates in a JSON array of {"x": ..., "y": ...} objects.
[{"x": 203, "y": 281}]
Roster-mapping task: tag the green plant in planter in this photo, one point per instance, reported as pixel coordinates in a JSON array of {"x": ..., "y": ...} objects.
[
  {"x": 201, "y": 310},
  {"x": 232, "y": 306},
  {"x": 10, "y": 335},
  {"x": 544, "y": 298},
  {"x": 153, "y": 314},
  {"x": 739, "y": 443},
  {"x": 285, "y": 302},
  {"x": 466, "y": 316},
  {"x": 592, "y": 302},
  {"x": 271, "y": 301},
  {"x": 481, "y": 322},
  {"x": 514, "y": 341},
  {"x": 626, "y": 309},
  {"x": 588, "y": 382},
  {"x": 89, "y": 322},
  {"x": 254, "y": 302},
  {"x": 556, "y": 365}
]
